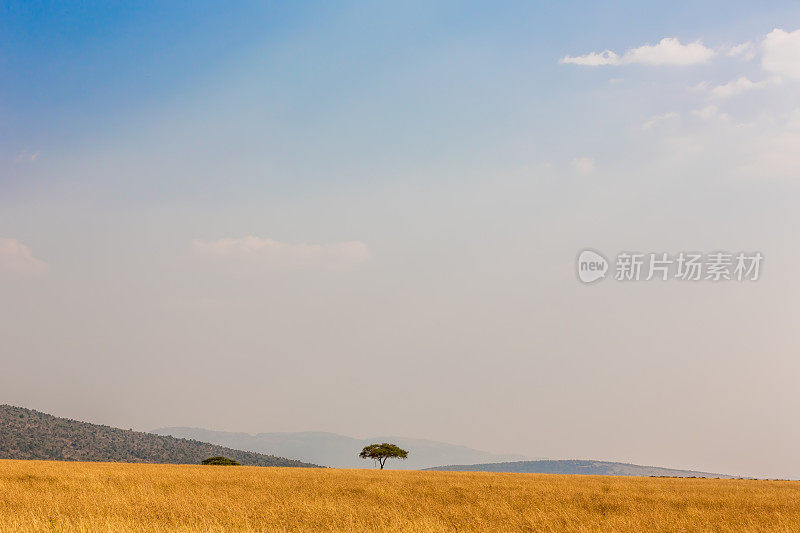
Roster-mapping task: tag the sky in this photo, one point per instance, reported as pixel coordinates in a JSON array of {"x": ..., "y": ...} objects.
[{"x": 364, "y": 218}]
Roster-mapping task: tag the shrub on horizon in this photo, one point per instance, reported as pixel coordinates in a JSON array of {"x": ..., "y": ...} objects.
[{"x": 220, "y": 460}]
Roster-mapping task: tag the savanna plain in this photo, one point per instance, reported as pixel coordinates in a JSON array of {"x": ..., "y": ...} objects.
[{"x": 71, "y": 496}]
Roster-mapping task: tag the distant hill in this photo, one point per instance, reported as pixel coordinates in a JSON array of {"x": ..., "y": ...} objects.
[
  {"x": 339, "y": 451},
  {"x": 594, "y": 468},
  {"x": 28, "y": 434}
]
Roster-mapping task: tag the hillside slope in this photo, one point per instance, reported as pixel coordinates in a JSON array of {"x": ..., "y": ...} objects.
[
  {"x": 572, "y": 466},
  {"x": 339, "y": 451},
  {"x": 28, "y": 434}
]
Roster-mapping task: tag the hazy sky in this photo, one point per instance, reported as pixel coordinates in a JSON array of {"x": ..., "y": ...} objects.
[{"x": 364, "y": 219}]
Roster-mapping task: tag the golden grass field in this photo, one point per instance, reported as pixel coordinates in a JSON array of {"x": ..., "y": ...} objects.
[{"x": 62, "y": 496}]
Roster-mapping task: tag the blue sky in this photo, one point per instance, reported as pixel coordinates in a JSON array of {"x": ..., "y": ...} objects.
[
  {"x": 82, "y": 72},
  {"x": 295, "y": 189}
]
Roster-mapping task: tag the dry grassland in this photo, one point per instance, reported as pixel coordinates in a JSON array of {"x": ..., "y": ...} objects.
[{"x": 61, "y": 496}]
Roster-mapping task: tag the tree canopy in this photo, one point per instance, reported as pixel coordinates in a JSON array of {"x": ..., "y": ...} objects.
[
  {"x": 219, "y": 460},
  {"x": 381, "y": 452}
]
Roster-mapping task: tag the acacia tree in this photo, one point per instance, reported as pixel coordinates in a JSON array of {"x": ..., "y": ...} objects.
[{"x": 381, "y": 452}]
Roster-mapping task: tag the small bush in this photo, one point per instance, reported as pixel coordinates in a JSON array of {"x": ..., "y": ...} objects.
[{"x": 219, "y": 460}]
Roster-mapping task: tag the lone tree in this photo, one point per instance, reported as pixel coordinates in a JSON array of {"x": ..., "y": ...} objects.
[
  {"x": 219, "y": 460},
  {"x": 380, "y": 452}
]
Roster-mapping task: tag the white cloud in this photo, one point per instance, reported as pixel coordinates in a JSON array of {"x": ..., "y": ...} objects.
[
  {"x": 269, "y": 252},
  {"x": 737, "y": 86},
  {"x": 668, "y": 51},
  {"x": 658, "y": 119},
  {"x": 17, "y": 259},
  {"x": 26, "y": 157},
  {"x": 744, "y": 50},
  {"x": 583, "y": 166},
  {"x": 593, "y": 59},
  {"x": 781, "y": 53},
  {"x": 708, "y": 112}
]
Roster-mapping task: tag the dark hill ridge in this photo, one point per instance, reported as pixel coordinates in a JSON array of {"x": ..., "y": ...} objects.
[
  {"x": 28, "y": 434},
  {"x": 593, "y": 468}
]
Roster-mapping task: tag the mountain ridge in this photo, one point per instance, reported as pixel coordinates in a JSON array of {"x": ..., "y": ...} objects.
[
  {"x": 339, "y": 451},
  {"x": 579, "y": 467},
  {"x": 29, "y": 434}
]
